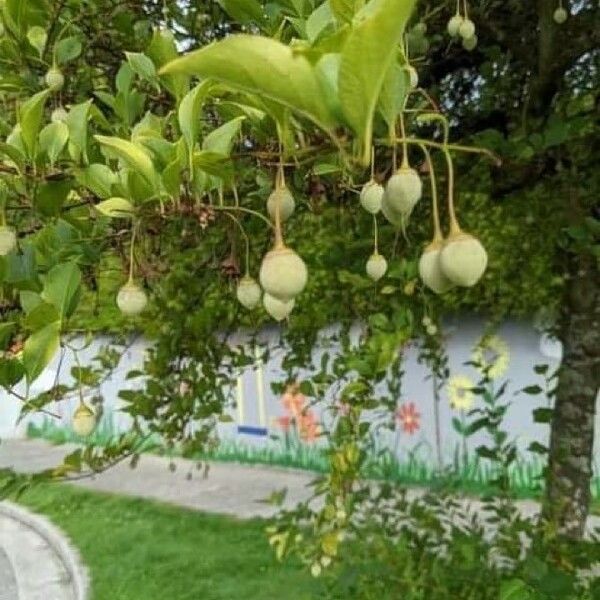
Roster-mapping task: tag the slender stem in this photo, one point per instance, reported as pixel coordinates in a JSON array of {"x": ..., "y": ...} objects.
[
  {"x": 280, "y": 174},
  {"x": 372, "y": 163},
  {"x": 375, "y": 235},
  {"x": 131, "y": 251},
  {"x": 427, "y": 97},
  {"x": 454, "y": 147},
  {"x": 458, "y": 7},
  {"x": 246, "y": 239},
  {"x": 454, "y": 226},
  {"x": 246, "y": 210},
  {"x": 235, "y": 195},
  {"x": 437, "y": 230},
  {"x": 466, "y": 9},
  {"x": 404, "y": 140}
]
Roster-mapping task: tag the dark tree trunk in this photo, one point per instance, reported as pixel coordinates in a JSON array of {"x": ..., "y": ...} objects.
[{"x": 572, "y": 437}]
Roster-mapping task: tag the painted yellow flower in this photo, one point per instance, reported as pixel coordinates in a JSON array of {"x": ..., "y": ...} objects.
[
  {"x": 459, "y": 392},
  {"x": 492, "y": 354}
]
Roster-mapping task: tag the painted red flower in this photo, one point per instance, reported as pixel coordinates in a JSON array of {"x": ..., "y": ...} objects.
[{"x": 409, "y": 418}]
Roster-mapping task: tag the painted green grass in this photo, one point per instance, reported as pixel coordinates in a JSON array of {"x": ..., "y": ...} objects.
[
  {"x": 144, "y": 550},
  {"x": 473, "y": 477}
]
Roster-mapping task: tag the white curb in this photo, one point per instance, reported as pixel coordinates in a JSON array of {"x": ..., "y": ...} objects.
[{"x": 57, "y": 541}]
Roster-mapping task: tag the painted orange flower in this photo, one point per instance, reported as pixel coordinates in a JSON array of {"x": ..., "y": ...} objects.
[
  {"x": 284, "y": 422},
  {"x": 308, "y": 427},
  {"x": 293, "y": 400},
  {"x": 409, "y": 418}
]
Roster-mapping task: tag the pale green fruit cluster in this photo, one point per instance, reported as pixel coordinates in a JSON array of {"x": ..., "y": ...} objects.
[
  {"x": 284, "y": 198},
  {"x": 430, "y": 269},
  {"x": 59, "y": 115},
  {"x": 278, "y": 309},
  {"x": 463, "y": 259},
  {"x": 55, "y": 80},
  {"x": 376, "y": 266},
  {"x": 404, "y": 189},
  {"x": 84, "y": 421},
  {"x": 470, "y": 44},
  {"x": 371, "y": 196},
  {"x": 454, "y": 25},
  {"x": 283, "y": 273},
  {"x": 466, "y": 29},
  {"x": 8, "y": 240},
  {"x": 248, "y": 292},
  {"x": 131, "y": 299},
  {"x": 560, "y": 15}
]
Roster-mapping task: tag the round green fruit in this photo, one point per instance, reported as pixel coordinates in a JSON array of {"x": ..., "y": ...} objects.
[
  {"x": 84, "y": 420},
  {"x": 283, "y": 273},
  {"x": 284, "y": 198},
  {"x": 131, "y": 299},
  {"x": 276, "y": 308},
  {"x": 376, "y": 266},
  {"x": 371, "y": 196},
  {"x": 55, "y": 80},
  {"x": 430, "y": 269},
  {"x": 463, "y": 259},
  {"x": 248, "y": 292}
]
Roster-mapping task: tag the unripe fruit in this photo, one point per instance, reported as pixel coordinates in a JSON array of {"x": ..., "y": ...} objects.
[
  {"x": 276, "y": 308},
  {"x": 394, "y": 217},
  {"x": 404, "y": 190},
  {"x": 430, "y": 269},
  {"x": 560, "y": 15},
  {"x": 248, "y": 292},
  {"x": 463, "y": 259},
  {"x": 454, "y": 25},
  {"x": 283, "y": 273},
  {"x": 283, "y": 196},
  {"x": 59, "y": 115},
  {"x": 466, "y": 29},
  {"x": 413, "y": 77},
  {"x": 131, "y": 299},
  {"x": 470, "y": 43},
  {"x": 8, "y": 240},
  {"x": 371, "y": 196},
  {"x": 55, "y": 80},
  {"x": 84, "y": 420},
  {"x": 376, "y": 266}
]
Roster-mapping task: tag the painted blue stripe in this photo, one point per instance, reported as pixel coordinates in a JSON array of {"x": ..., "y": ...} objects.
[{"x": 260, "y": 431}]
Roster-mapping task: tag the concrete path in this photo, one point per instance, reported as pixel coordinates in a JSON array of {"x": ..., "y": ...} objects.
[
  {"x": 36, "y": 560},
  {"x": 231, "y": 489}
]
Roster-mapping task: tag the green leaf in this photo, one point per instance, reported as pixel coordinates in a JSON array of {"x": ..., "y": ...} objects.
[
  {"x": 142, "y": 65},
  {"x": 67, "y": 49},
  {"x": 37, "y": 37},
  {"x": 221, "y": 140},
  {"x": 116, "y": 208},
  {"x": 53, "y": 139},
  {"x": 77, "y": 122},
  {"x": 51, "y": 195},
  {"x": 393, "y": 94},
  {"x": 11, "y": 372},
  {"x": 543, "y": 415},
  {"x": 39, "y": 350},
  {"x": 212, "y": 163},
  {"x": 29, "y": 300},
  {"x": 14, "y": 155},
  {"x": 260, "y": 65},
  {"x": 367, "y": 55},
  {"x": 30, "y": 119},
  {"x": 319, "y": 20},
  {"x": 532, "y": 390},
  {"x": 40, "y": 316},
  {"x": 515, "y": 589},
  {"x": 189, "y": 115},
  {"x": 163, "y": 49},
  {"x": 134, "y": 155},
  {"x": 62, "y": 288},
  {"x": 98, "y": 178},
  {"x": 243, "y": 11},
  {"x": 344, "y": 10},
  {"x": 6, "y": 331}
]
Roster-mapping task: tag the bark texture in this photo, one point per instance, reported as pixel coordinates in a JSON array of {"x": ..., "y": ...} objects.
[{"x": 572, "y": 436}]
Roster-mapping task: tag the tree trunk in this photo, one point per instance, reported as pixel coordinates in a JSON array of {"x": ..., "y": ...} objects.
[{"x": 572, "y": 436}]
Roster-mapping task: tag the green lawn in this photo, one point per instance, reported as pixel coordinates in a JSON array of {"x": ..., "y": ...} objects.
[{"x": 143, "y": 550}]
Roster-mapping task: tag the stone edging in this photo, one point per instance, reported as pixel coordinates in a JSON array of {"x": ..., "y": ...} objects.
[{"x": 56, "y": 539}]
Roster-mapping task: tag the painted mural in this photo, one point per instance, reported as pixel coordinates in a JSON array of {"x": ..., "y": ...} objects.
[{"x": 427, "y": 440}]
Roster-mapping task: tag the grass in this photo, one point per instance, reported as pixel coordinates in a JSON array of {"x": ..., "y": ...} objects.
[
  {"x": 473, "y": 477},
  {"x": 143, "y": 550}
]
